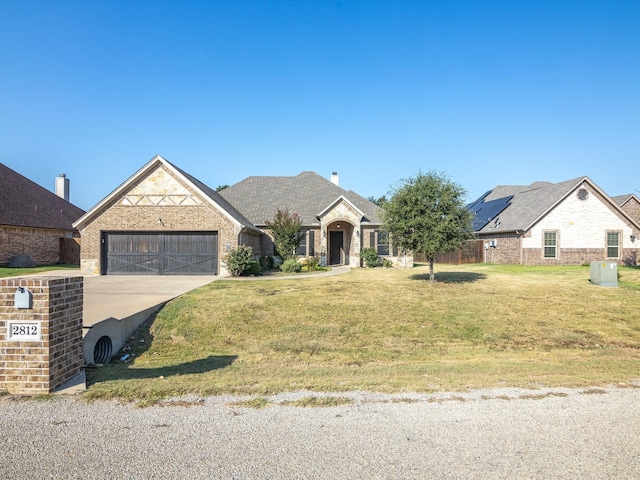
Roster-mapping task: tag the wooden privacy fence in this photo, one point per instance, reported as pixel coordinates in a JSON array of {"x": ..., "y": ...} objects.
[
  {"x": 70, "y": 251},
  {"x": 473, "y": 252}
]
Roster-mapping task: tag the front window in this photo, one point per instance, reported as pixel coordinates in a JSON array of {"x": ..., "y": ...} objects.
[
  {"x": 613, "y": 244},
  {"x": 383, "y": 243},
  {"x": 302, "y": 248},
  {"x": 550, "y": 244}
]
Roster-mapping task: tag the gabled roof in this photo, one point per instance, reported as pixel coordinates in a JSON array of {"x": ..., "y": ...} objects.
[
  {"x": 210, "y": 195},
  {"x": 623, "y": 199},
  {"x": 518, "y": 208},
  {"x": 341, "y": 198},
  {"x": 259, "y": 197},
  {"x": 26, "y": 204}
]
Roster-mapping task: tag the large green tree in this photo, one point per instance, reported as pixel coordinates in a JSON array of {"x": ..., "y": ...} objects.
[
  {"x": 286, "y": 229},
  {"x": 427, "y": 215}
]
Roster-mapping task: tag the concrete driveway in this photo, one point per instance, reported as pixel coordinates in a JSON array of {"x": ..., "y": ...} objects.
[
  {"x": 121, "y": 296},
  {"x": 114, "y": 306}
]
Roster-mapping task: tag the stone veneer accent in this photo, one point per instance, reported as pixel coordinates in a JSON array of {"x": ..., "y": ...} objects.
[
  {"x": 632, "y": 207},
  {"x": 42, "y": 366}
]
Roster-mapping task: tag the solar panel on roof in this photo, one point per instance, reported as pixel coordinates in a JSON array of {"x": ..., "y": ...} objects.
[
  {"x": 484, "y": 212},
  {"x": 472, "y": 205}
]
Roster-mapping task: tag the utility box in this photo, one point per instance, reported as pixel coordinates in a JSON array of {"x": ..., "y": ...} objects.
[{"x": 604, "y": 274}]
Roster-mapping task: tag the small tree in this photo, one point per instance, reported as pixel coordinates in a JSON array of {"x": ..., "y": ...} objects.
[
  {"x": 427, "y": 215},
  {"x": 286, "y": 229}
]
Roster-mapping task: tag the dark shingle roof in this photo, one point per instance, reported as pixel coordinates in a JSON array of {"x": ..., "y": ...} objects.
[
  {"x": 523, "y": 204},
  {"x": 622, "y": 199},
  {"x": 307, "y": 194},
  {"x": 217, "y": 198},
  {"x": 26, "y": 204}
]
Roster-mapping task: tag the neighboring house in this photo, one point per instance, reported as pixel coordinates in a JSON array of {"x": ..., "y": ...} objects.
[
  {"x": 35, "y": 222},
  {"x": 336, "y": 223},
  {"x": 567, "y": 223},
  {"x": 630, "y": 204},
  {"x": 164, "y": 221}
]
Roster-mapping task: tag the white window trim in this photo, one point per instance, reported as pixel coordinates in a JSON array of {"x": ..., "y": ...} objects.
[
  {"x": 556, "y": 246},
  {"x": 618, "y": 246}
]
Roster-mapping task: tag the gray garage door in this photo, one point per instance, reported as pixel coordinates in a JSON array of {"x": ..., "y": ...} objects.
[{"x": 154, "y": 253}]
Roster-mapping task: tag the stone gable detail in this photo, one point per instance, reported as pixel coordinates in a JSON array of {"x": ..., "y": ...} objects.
[
  {"x": 632, "y": 207},
  {"x": 342, "y": 211},
  {"x": 160, "y": 189}
]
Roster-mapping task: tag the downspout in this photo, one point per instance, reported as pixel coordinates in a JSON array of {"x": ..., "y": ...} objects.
[{"x": 519, "y": 234}]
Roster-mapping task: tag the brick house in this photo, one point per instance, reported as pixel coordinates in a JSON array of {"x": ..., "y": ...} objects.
[
  {"x": 568, "y": 223},
  {"x": 336, "y": 223},
  {"x": 164, "y": 221},
  {"x": 35, "y": 222}
]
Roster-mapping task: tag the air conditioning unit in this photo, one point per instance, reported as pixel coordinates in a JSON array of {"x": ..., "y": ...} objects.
[{"x": 604, "y": 274}]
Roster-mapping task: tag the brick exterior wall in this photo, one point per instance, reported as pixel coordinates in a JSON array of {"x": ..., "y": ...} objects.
[
  {"x": 42, "y": 365},
  {"x": 267, "y": 247},
  {"x": 252, "y": 240},
  {"x": 42, "y": 245},
  {"x": 507, "y": 251}
]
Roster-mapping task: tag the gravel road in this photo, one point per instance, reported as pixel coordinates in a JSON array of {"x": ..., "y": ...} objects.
[{"x": 510, "y": 433}]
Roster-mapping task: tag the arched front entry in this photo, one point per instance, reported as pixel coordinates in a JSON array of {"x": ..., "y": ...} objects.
[
  {"x": 339, "y": 242},
  {"x": 340, "y": 224}
]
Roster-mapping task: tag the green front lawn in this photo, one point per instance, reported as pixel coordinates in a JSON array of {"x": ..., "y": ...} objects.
[
  {"x": 386, "y": 330},
  {"x": 16, "y": 272}
]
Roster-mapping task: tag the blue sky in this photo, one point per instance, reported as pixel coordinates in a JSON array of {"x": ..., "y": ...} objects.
[{"x": 486, "y": 92}]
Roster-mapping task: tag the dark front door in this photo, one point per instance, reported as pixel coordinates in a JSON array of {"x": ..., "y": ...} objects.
[
  {"x": 152, "y": 253},
  {"x": 336, "y": 242}
]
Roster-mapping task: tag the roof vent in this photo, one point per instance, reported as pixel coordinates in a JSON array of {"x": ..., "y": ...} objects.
[
  {"x": 582, "y": 194},
  {"x": 335, "y": 179}
]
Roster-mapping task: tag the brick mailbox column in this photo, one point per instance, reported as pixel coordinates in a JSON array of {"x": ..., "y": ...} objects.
[{"x": 40, "y": 333}]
